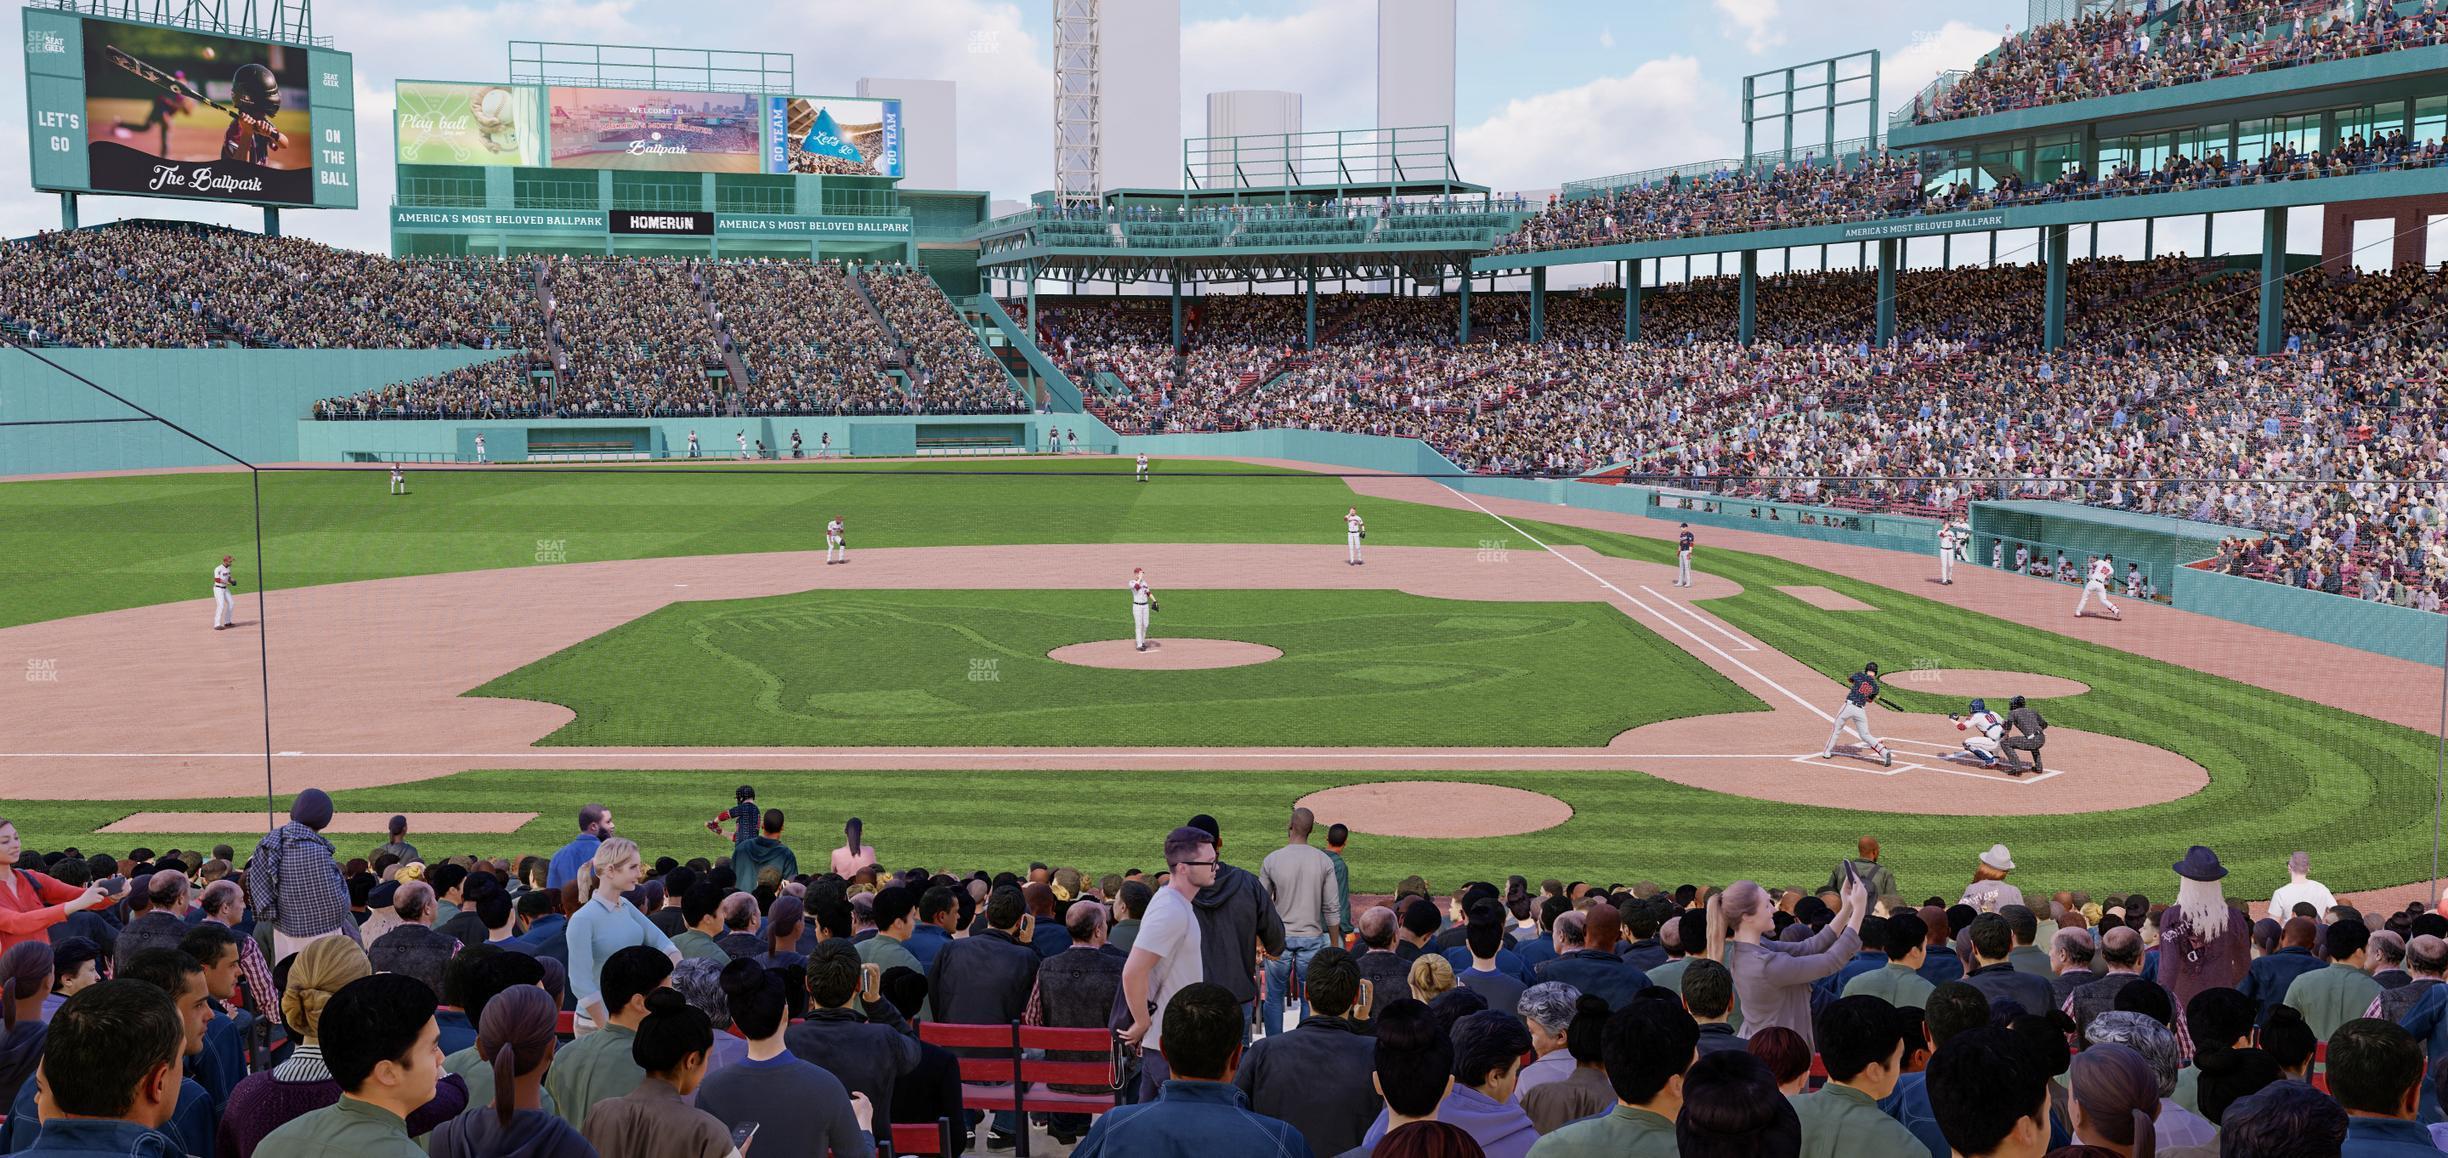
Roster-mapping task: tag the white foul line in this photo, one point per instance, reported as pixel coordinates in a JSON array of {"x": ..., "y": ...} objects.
[
  {"x": 1634, "y": 600},
  {"x": 1703, "y": 620}
]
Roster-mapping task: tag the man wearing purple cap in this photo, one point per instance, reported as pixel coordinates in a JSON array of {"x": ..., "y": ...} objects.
[{"x": 294, "y": 881}]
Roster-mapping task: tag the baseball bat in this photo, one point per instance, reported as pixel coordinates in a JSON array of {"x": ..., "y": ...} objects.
[{"x": 171, "y": 83}]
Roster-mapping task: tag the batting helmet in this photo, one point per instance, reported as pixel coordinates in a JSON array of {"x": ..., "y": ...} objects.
[
  {"x": 1980, "y": 705},
  {"x": 255, "y": 91},
  {"x": 1872, "y": 666}
]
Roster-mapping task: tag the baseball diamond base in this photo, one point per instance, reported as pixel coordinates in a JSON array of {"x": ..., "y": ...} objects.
[{"x": 1165, "y": 654}]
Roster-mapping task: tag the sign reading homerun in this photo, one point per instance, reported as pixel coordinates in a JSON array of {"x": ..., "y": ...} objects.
[
  {"x": 1920, "y": 226},
  {"x": 663, "y": 221}
]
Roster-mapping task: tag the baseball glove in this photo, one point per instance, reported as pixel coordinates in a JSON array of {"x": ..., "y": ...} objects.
[{"x": 1154, "y": 607}]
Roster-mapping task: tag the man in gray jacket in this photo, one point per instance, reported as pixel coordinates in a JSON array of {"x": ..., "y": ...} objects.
[{"x": 1236, "y": 918}]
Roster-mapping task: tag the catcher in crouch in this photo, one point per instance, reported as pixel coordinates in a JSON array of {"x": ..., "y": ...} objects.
[{"x": 1986, "y": 731}]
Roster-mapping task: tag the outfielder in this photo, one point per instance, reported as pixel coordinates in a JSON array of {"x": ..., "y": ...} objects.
[
  {"x": 1354, "y": 529},
  {"x": 742, "y": 437},
  {"x": 2102, "y": 570},
  {"x": 399, "y": 482},
  {"x": 835, "y": 552},
  {"x": 692, "y": 444},
  {"x": 824, "y": 443},
  {"x": 1143, "y": 468},
  {"x": 1986, "y": 731},
  {"x": 1861, "y": 691},
  {"x": 1946, "y": 553},
  {"x": 225, "y": 612},
  {"x": 797, "y": 451},
  {"x": 480, "y": 451},
  {"x": 1143, "y": 600},
  {"x": 1683, "y": 549}
]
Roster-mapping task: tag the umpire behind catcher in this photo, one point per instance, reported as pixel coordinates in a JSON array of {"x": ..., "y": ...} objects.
[{"x": 2030, "y": 735}]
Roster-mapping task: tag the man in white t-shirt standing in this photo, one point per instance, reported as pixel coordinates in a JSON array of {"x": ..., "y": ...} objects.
[
  {"x": 2300, "y": 888},
  {"x": 225, "y": 612},
  {"x": 2103, "y": 569},
  {"x": 1167, "y": 956},
  {"x": 1143, "y": 598}
]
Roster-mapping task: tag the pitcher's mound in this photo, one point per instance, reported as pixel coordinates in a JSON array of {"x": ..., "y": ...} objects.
[
  {"x": 1165, "y": 654},
  {"x": 1437, "y": 808}
]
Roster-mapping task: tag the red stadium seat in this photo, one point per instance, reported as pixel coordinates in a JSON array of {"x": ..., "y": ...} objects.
[{"x": 1017, "y": 1073}]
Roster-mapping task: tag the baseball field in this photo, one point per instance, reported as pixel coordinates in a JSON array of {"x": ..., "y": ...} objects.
[{"x": 499, "y": 646}]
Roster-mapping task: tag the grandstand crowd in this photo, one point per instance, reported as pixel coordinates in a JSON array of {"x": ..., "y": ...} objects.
[{"x": 299, "y": 999}]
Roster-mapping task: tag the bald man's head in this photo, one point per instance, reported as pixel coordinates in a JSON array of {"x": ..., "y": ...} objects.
[
  {"x": 1377, "y": 928},
  {"x": 1304, "y": 822},
  {"x": 2122, "y": 947},
  {"x": 2299, "y": 933},
  {"x": 2427, "y": 955}
]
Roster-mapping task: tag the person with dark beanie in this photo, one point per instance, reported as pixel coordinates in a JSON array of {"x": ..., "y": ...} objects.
[
  {"x": 671, "y": 1045},
  {"x": 515, "y": 1033},
  {"x": 801, "y": 1107},
  {"x": 111, "y": 1063},
  {"x": 383, "y": 1052},
  {"x": 1733, "y": 1109}
]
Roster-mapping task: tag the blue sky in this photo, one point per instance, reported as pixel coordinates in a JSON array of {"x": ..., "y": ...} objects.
[{"x": 1545, "y": 91}]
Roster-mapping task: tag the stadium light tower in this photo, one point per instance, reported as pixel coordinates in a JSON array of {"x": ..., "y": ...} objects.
[{"x": 1079, "y": 171}]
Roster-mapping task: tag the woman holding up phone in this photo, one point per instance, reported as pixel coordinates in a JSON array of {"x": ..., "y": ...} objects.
[
  {"x": 30, "y": 903},
  {"x": 1772, "y": 978}
]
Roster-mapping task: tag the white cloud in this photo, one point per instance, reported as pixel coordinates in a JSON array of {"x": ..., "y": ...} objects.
[
  {"x": 1758, "y": 21},
  {"x": 1606, "y": 38},
  {"x": 1326, "y": 52},
  {"x": 1649, "y": 117},
  {"x": 1954, "y": 44},
  {"x": 1005, "y": 113}
]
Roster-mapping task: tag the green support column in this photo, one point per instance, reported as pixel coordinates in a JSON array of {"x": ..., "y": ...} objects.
[
  {"x": 1993, "y": 247},
  {"x": 1632, "y": 295},
  {"x": 68, "y": 220},
  {"x": 1466, "y": 295},
  {"x": 2273, "y": 279},
  {"x": 2093, "y": 230},
  {"x": 1747, "y": 315},
  {"x": 2150, "y": 238},
  {"x": 1177, "y": 309},
  {"x": 1946, "y": 251},
  {"x": 1886, "y": 289},
  {"x": 1538, "y": 304},
  {"x": 1030, "y": 271},
  {"x": 1309, "y": 315},
  {"x": 2053, "y": 312}
]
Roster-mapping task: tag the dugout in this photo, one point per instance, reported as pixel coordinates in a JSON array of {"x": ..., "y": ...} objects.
[{"x": 2162, "y": 544}]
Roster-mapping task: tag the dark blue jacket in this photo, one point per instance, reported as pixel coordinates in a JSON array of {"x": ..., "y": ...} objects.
[
  {"x": 101, "y": 1138},
  {"x": 1535, "y": 952},
  {"x": 1603, "y": 974},
  {"x": 192, "y": 1122},
  {"x": 2030, "y": 991},
  {"x": 1192, "y": 1120},
  {"x": 1910, "y": 1105},
  {"x": 2428, "y": 1022},
  {"x": 1508, "y": 962},
  {"x": 1866, "y": 961},
  {"x": 1940, "y": 965},
  {"x": 2266, "y": 982},
  {"x": 2385, "y": 1137},
  {"x": 925, "y": 941}
]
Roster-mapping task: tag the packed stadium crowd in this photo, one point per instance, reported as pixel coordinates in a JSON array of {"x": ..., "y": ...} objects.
[
  {"x": 2133, "y": 48},
  {"x": 809, "y": 344},
  {"x": 302, "y": 1000},
  {"x": 952, "y": 372}
]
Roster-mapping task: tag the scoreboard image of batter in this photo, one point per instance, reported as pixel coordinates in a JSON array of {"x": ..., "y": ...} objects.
[{"x": 181, "y": 113}]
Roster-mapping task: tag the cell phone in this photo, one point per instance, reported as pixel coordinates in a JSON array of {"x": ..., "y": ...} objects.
[
  {"x": 1852, "y": 875},
  {"x": 743, "y": 1133}
]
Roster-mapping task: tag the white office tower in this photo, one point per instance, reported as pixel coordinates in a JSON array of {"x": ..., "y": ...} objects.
[
  {"x": 1415, "y": 63},
  {"x": 1117, "y": 96},
  {"x": 930, "y": 131},
  {"x": 1252, "y": 115}
]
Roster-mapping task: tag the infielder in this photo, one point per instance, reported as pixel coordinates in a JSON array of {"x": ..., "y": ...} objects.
[
  {"x": 1986, "y": 731},
  {"x": 1143, "y": 468},
  {"x": 1861, "y": 691},
  {"x": 225, "y": 612},
  {"x": 480, "y": 451},
  {"x": 1946, "y": 553},
  {"x": 399, "y": 482},
  {"x": 1683, "y": 549},
  {"x": 2103, "y": 569},
  {"x": 1354, "y": 529},
  {"x": 1143, "y": 600},
  {"x": 835, "y": 552}
]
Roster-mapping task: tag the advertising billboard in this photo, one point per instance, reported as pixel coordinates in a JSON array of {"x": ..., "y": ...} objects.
[
  {"x": 116, "y": 107},
  {"x": 618, "y": 128},
  {"x": 450, "y": 123},
  {"x": 850, "y": 136}
]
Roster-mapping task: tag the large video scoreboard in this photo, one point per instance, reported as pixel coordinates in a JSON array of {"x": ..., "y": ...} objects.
[{"x": 150, "y": 111}]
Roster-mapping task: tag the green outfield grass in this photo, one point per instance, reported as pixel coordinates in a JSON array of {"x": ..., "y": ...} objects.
[
  {"x": 76, "y": 546},
  {"x": 923, "y": 668}
]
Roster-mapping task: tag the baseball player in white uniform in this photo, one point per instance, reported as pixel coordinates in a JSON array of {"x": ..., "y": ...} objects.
[
  {"x": 1683, "y": 550},
  {"x": 824, "y": 443},
  {"x": 1985, "y": 730},
  {"x": 1997, "y": 554},
  {"x": 2103, "y": 569},
  {"x": 225, "y": 611},
  {"x": 399, "y": 482},
  {"x": 1354, "y": 529},
  {"x": 2133, "y": 581},
  {"x": 480, "y": 451},
  {"x": 692, "y": 444},
  {"x": 1946, "y": 553},
  {"x": 1143, "y": 597},
  {"x": 742, "y": 436},
  {"x": 1143, "y": 468},
  {"x": 835, "y": 552}
]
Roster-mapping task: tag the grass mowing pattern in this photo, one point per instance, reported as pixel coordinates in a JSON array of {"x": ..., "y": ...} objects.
[
  {"x": 76, "y": 546},
  {"x": 970, "y": 668}
]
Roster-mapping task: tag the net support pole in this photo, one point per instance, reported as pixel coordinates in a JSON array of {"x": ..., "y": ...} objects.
[
  {"x": 1309, "y": 309},
  {"x": 1464, "y": 320},
  {"x": 1747, "y": 314},
  {"x": 1887, "y": 289},
  {"x": 2273, "y": 279},
  {"x": 1538, "y": 303},
  {"x": 1632, "y": 296}
]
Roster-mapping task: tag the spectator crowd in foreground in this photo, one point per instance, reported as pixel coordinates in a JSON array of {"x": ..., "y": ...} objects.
[{"x": 298, "y": 1001}]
